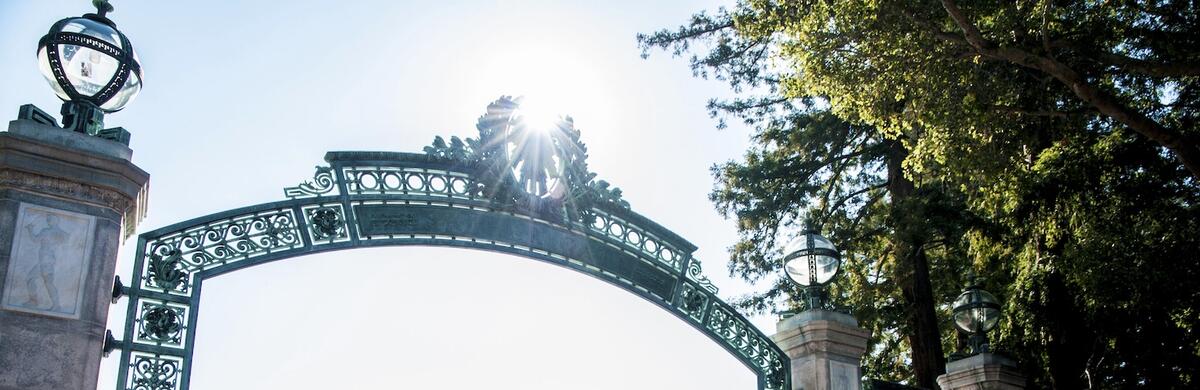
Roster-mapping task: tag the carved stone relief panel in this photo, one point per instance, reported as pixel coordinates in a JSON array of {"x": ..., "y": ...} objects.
[
  {"x": 48, "y": 264},
  {"x": 843, "y": 376}
]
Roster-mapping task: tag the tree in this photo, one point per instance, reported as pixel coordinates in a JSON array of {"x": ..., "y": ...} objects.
[
  {"x": 1050, "y": 134},
  {"x": 847, "y": 178}
]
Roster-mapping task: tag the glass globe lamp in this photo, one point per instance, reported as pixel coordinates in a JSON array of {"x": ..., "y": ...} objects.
[
  {"x": 976, "y": 312},
  {"x": 91, "y": 66},
  {"x": 811, "y": 261}
]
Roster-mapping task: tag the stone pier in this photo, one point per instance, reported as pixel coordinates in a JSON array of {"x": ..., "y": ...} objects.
[
  {"x": 67, "y": 201},
  {"x": 985, "y": 371},
  {"x": 825, "y": 348}
]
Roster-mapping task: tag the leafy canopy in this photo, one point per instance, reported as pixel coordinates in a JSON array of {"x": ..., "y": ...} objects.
[{"x": 1050, "y": 146}]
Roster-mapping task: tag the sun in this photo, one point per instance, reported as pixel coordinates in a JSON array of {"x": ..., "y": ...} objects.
[
  {"x": 538, "y": 115},
  {"x": 552, "y": 78}
]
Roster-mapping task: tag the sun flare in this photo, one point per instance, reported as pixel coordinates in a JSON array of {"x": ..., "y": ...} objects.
[
  {"x": 538, "y": 115},
  {"x": 552, "y": 79}
]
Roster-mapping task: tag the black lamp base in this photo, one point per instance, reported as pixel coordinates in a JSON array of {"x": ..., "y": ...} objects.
[{"x": 82, "y": 117}]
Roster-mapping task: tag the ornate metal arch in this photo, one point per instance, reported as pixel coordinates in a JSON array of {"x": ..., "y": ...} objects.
[{"x": 478, "y": 193}]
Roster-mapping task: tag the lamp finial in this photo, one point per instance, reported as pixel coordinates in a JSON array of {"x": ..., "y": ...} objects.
[{"x": 102, "y": 7}]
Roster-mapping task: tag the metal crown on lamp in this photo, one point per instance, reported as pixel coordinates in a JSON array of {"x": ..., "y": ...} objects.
[
  {"x": 92, "y": 68},
  {"x": 811, "y": 261},
  {"x": 976, "y": 312}
]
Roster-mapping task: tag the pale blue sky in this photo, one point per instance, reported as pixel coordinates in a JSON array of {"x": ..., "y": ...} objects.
[{"x": 243, "y": 98}]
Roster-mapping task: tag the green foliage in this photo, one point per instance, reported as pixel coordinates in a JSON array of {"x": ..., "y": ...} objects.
[{"x": 1048, "y": 146}]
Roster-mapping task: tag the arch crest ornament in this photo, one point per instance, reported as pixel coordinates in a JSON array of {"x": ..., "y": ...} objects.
[{"x": 513, "y": 189}]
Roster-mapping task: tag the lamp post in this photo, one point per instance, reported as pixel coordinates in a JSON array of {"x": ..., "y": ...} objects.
[
  {"x": 92, "y": 67},
  {"x": 811, "y": 261},
  {"x": 825, "y": 346},
  {"x": 67, "y": 202},
  {"x": 976, "y": 312}
]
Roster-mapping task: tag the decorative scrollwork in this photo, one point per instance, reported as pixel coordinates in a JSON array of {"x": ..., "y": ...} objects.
[
  {"x": 327, "y": 223},
  {"x": 696, "y": 275},
  {"x": 776, "y": 378},
  {"x": 161, "y": 323},
  {"x": 165, "y": 270},
  {"x": 322, "y": 183},
  {"x": 740, "y": 335},
  {"x": 151, "y": 373},
  {"x": 234, "y": 239}
]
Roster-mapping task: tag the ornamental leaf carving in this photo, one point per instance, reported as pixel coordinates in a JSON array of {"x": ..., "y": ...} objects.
[
  {"x": 166, "y": 270},
  {"x": 543, "y": 171},
  {"x": 455, "y": 150}
]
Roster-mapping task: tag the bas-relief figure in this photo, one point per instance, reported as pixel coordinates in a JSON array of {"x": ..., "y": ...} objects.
[{"x": 48, "y": 263}]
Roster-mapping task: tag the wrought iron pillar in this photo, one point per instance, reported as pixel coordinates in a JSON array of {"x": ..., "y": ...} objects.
[
  {"x": 984, "y": 371},
  {"x": 825, "y": 348},
  {"x": 67, "y": 201}
]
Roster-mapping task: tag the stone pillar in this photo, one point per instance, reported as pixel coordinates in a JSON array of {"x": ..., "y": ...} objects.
[
  {"x": 67, "y": 201},
  {"x": 826, "y": 349},
  {"x": 985, "y": 371}
]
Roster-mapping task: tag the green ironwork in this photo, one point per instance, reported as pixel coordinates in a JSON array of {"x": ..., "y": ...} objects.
[{"x": 462, "y": 193}]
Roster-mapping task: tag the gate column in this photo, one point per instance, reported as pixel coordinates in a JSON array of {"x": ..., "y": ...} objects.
[
  {"x": 825, "y": 348},
  {"x": 67, "y": 201},
  {"x": 984, "y": 371}
]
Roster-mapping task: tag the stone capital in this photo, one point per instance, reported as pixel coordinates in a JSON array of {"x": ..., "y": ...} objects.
[
  {"x": 825, "y": 349},
  {"x": 985, "y": 371},
  {"x": 49, "y": 161}
]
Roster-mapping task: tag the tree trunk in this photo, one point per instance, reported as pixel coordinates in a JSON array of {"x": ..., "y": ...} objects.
[
  {"x": 1067, "y": 347},
  {"x": 912, "y": 267}
]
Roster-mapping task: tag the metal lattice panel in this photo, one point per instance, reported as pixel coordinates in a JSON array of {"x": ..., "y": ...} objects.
[{"x": 450, "y": 196}]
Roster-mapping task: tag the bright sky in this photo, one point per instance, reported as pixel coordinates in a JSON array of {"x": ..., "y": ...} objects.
[{"x": 243, "y": 98}]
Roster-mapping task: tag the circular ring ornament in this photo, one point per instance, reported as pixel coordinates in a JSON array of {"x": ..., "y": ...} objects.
[
  {"x": 161, "y": 323},
  {"x": 327, "y": 223}
]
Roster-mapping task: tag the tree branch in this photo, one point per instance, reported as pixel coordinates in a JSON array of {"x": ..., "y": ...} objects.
[
  {"x": 853, "y": 195},
  {"x": 970, "y": 32},
  {"x": 1150, "y": 68},
  {"x": 1185, "y": 149},
  {"x": 1021, "y": 111}
]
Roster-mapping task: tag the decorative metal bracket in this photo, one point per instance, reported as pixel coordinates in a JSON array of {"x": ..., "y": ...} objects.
[
  {"x": 110, "y": 343},
  {"x": 32, "y": 113},
  {"x": 322, "y": 183},
  {"x": 118, "y": 289}
]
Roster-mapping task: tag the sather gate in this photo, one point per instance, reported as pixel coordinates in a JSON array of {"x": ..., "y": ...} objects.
[{"x": 514, "y": 189}]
